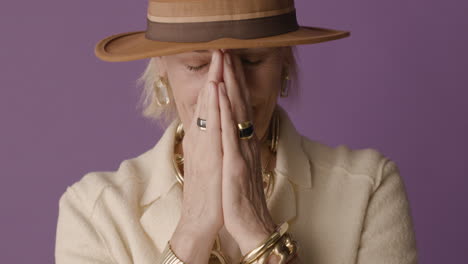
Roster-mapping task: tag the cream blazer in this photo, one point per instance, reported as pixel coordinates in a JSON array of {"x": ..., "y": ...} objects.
[{"x": 343, "y": 206}]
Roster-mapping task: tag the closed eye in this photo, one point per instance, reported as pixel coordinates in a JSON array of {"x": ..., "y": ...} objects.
[
  {"x": 248, "y": 62},
  {"x": 195, "y": 68},
  {"x": 198, "y": 68}
]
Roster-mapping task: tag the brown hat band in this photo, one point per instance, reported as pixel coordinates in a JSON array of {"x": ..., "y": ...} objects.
[{"x": 207, "y": 31}]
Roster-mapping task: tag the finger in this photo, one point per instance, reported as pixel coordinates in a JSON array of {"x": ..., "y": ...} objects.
[
  {"x": 215, "y": 72},
  {"x": 214, "y": 75},
  {"x": 233, "y": 89},
  {"x": 229, "y": 130},
  {"x": 244, "y": 90},
  {"x": 200, "y": 109},
  {"x": 240, "y": 74},
  {"x": 213, "y": 125}
]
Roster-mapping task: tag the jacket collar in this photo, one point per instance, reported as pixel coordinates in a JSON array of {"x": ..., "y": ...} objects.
[
  {"x": 292, "y": 161},
  {"x": 161, "y": 174}
]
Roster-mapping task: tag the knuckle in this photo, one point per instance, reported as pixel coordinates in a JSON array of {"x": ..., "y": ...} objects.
[{"x": 241, "y": 109}]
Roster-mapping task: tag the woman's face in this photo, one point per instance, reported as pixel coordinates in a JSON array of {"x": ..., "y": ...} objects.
[{"x": 187, "y": 73}]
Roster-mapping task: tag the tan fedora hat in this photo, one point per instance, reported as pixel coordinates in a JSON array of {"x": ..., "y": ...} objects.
[{"x": 175, "y": 26}]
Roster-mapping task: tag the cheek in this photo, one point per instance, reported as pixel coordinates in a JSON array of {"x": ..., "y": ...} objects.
[
  {"x": 185, "y": 86},
  {"x": 264, "y": 84}
]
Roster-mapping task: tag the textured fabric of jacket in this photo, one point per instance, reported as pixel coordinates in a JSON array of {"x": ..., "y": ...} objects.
[{"x": 343, "y": 205}]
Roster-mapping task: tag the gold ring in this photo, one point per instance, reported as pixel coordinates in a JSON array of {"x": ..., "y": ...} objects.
[{"x": 246, "y": 130}]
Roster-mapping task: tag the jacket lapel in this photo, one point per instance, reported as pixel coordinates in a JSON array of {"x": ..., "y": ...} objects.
[
  {"x": 292, "y": 159},
  {"x": 161, "y": 199},
  {"x": 292, "y": 171}
]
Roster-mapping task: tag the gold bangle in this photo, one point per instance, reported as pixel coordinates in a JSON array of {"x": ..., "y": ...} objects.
[
  {"x": 265, "y": 257},
  {"x": 169, "y": 257},
  {"x": 285, "y": 249},
  {"x": 268, "y": 243}
]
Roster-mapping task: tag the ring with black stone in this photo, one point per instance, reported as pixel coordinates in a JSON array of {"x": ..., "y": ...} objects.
[
  {"x": 246, "y": 130},
  {"x": 201, "y": 123}
]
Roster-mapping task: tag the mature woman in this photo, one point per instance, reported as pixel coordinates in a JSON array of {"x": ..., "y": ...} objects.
[{"x": 231, "y": 180}]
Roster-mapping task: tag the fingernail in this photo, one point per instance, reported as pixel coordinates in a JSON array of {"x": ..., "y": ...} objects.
[{"x": 227, "y": 58}]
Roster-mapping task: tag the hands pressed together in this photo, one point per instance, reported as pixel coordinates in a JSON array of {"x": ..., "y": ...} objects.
[{"x": 222, "y": 173}]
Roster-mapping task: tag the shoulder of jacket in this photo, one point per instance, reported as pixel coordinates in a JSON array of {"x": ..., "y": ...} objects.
[
  {"x": 368, "y": 162},
  {"x": 87, "y": 190}
]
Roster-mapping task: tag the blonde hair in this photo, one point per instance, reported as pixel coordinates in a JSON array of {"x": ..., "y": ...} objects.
[{"x": 165, "y": 114}]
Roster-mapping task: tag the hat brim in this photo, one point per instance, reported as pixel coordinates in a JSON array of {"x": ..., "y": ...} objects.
[{"x": 131, "y": 46}]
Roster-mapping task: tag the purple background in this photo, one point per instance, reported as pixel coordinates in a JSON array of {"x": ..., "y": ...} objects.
[{"x": 398, "y": 84}]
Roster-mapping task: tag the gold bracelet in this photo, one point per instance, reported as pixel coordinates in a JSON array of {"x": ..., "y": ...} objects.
[
  {"x": 169, "y": 257},
  {"x": 285, "y": 249},
  {"x": 265, "y": 257},
  {"x": 268, "y": 243}
]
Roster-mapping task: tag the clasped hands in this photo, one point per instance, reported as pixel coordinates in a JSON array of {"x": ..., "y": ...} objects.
[{"x": 223, "y": 183}]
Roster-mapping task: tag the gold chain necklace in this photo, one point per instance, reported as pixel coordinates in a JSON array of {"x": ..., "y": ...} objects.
[{"x": 267, "y": 176}]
